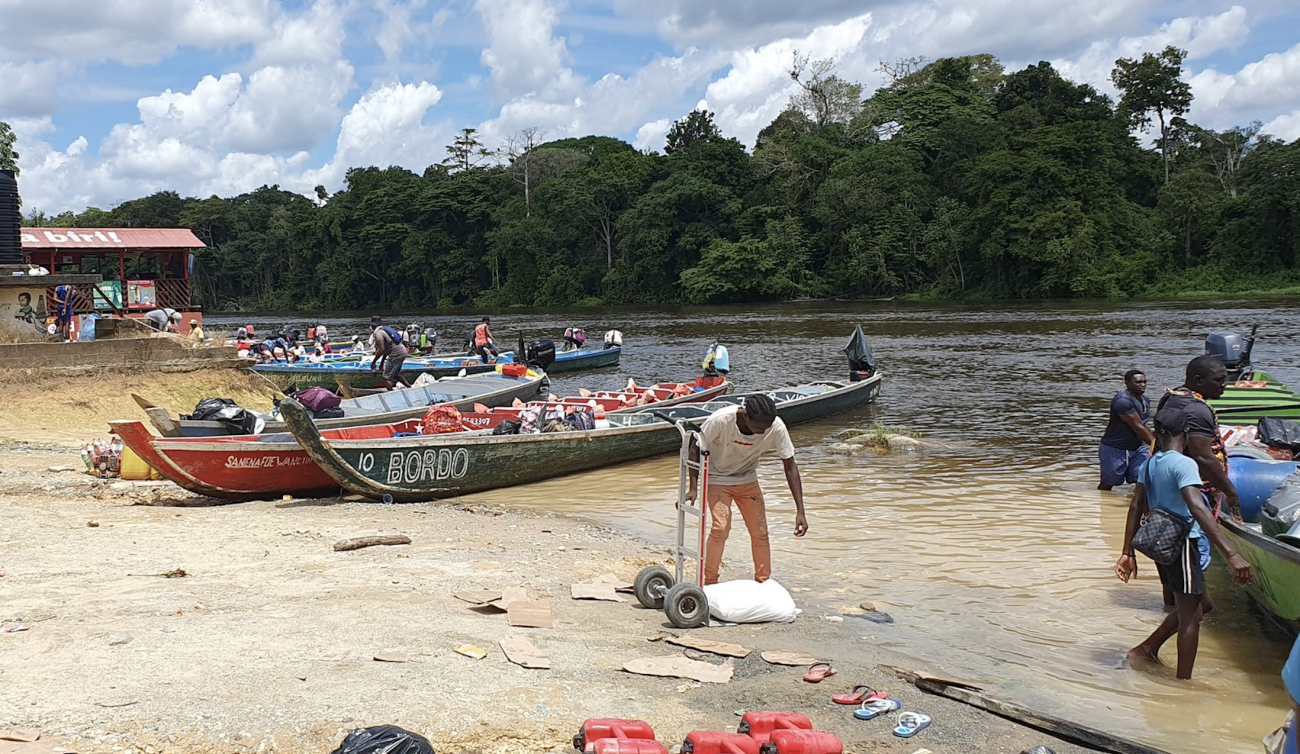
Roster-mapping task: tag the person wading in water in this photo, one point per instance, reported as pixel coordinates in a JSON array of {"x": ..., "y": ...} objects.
[
  {"x": 1126, "y": 444},
  {"x": 1171, "y": 482}
]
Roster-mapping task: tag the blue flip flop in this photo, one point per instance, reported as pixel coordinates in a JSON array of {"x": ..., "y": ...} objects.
[
  {"x": 875, "y": 708},
  {"x": 911, "y": 723}
]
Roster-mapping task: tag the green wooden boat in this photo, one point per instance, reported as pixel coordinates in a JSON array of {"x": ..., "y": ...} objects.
[
  {"x": 1247, "y": 405},
  {"x": 419, "y": 468},
  {"x": 1276, "y": 567}
]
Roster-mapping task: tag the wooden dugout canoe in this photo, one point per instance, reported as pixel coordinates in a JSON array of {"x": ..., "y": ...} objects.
[
  {"x": 413, "y": 469},
  {"x": 245, "y": 467},
  {"x": 380, "y": 408}
]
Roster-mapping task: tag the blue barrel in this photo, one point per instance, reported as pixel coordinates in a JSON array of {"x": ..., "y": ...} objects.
[{"x": 1256, "y": 479}]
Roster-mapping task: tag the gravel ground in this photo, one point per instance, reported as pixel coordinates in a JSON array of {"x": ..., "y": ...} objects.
[{"x": 266, "y": 644}]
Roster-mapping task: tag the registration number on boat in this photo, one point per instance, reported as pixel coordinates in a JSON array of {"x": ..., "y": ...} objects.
[{"x": 414, "y": 466}]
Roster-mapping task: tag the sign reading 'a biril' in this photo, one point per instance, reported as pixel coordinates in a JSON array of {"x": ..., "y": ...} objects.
[{"x": 72, "y": 236}]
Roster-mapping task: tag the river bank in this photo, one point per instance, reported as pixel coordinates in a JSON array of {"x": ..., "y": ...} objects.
[{"x": 267, "y": 642}]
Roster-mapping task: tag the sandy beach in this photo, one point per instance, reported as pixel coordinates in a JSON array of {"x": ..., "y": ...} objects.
[{"x": 267, "y": 643}]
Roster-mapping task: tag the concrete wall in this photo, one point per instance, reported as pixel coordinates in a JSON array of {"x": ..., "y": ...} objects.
[{"x": 156, "y": 351}]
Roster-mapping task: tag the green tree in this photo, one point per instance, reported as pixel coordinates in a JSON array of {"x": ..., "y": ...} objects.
[
  {"x": 8, "y": 156},
  {"x": 466, "y": 151},
  {"x": 696, "y": 127},
  {"x": 1151, "y": 86}
]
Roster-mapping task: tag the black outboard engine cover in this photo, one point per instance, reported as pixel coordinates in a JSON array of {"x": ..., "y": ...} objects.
[
  {"x": 540, "y": 353},
  {"x": 1230, "y": 347}
]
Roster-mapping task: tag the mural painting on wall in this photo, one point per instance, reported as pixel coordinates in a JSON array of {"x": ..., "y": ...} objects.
[{"x": 32, "y": 316}]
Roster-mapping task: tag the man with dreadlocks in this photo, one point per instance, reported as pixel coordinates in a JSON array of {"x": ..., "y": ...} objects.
[{"x": 736, "y": 439}]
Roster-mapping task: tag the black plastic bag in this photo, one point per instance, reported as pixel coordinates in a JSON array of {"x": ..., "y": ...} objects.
[
  {"x": 507, "y": 427},
  {"x": 207, "y": 407},
  {"x": 384, "y": 739},
  {"x": 241, "y": 421},
  {"x": 1280, "y": 433},
  {"x": 327, "y": 413}
]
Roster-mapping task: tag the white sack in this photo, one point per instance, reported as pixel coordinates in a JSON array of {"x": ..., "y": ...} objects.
[{"x": 747, "y": 601}]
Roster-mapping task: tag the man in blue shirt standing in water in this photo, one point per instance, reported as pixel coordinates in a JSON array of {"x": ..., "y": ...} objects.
[{"x": 1125, "y": 446}]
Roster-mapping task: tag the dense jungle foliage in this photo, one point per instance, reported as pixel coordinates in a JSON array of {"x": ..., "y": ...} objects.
[{"x": 958, "y": 180}]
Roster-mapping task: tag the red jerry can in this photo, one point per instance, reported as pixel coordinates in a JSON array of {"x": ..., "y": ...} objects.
[
  {"x": 626, "y": 746},
  {"x": 611, "y": 727},
  {"x": 759, "y": 725},
  {"x": 803, "y": 742},
  {"x": 715, "y": 742}
]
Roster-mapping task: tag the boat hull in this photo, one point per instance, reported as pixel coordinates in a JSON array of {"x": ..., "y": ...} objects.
[
  {"x": 431, "y": 468},
  {"x": 244, "y": 467},
  {"x": 575, "y": 361},
  {"x": 1247, "y": 405},
  {"x": 1276, "y": 568}
]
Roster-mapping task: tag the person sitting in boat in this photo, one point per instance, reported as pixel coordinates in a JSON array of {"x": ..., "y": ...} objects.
[
  {"x": 484, "y": 343},
  {"x": 717, "y": 359},
  {"x": 358, "y": 344},
  {"x": 574, "y": 338},
  {"x": 322, "y": 334}
]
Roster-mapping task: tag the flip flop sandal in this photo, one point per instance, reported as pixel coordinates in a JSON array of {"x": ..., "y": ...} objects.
[
  {"x": 911, "y": 723},
  {"x": 819, "y": 672},
  {"x": 858, "y": 695},
  {"x": 875, "y": 708}
]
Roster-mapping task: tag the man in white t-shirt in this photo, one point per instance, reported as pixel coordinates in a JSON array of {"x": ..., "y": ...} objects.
[{"x": 736, "y": 439}]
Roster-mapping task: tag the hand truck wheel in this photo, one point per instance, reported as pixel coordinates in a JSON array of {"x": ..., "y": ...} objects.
[
  {"x": 687, "y": 606},
  {"x": 650, "y": 586}
]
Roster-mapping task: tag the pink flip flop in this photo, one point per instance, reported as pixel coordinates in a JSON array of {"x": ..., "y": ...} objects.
[
  {"x": 819, "y": 672},
  {"x": 858, "y": 695}
]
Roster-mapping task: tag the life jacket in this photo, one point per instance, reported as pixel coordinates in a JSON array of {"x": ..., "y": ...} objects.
[{"x": 481, "y": 334}]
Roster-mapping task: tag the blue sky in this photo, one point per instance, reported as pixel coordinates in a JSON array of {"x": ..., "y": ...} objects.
[{"x": 114, "y": 99}]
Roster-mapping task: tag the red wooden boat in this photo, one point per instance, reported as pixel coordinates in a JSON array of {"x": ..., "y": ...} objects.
[{"x": 246, "y": 467}]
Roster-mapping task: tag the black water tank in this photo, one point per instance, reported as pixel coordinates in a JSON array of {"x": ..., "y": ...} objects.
[{"x": 11, "y": 220}]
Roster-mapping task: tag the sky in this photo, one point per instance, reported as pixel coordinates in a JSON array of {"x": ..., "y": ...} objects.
[{"x": 116, "y": 99}]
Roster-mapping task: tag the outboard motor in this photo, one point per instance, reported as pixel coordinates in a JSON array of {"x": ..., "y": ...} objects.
[
  {"x": 1233, "y": 350},
  {"x": 613, "y": 338},
  {"x": 862, "y": 364},
  {"x": 540, "y": 353}
]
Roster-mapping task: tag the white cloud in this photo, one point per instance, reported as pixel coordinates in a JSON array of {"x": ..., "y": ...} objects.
[
  {"x": 127, "y": 31},
  {"x": 1201, "y": 36},
  {"x": 758, "y": 86},
  {"x": 30, "y": 89},
  {"x": 525, "y": 56},
  {"x": 652, "y": 135},
  {"x": 315, "y": 36},
  {"x": 731, "y": 23},
  {"x": 1284, "y": 127},
  {"x": 386, "y": 127}
]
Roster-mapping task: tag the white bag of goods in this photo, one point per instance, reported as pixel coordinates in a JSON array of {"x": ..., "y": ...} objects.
[{"x": 747, "y": 601}]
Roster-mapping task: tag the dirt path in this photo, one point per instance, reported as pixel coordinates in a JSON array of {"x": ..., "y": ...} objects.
[{"x": 267, "y": 643}]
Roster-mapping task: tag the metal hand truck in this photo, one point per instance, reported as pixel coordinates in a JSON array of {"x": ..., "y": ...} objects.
[{"x": 683, "y": 602}]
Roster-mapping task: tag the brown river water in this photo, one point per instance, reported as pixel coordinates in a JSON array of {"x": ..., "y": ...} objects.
[{"x": 994, "y": 556}]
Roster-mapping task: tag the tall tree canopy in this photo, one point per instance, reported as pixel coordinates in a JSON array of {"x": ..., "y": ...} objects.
[{"x": 957, "y": 179}]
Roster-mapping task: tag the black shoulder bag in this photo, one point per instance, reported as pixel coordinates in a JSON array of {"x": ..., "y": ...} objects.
[{"x": 1162, "y": 535}]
